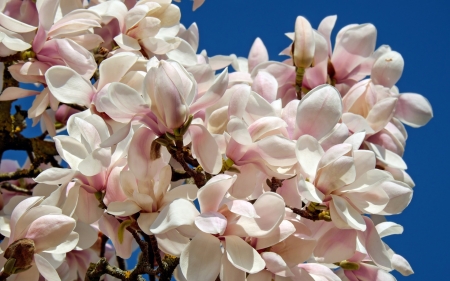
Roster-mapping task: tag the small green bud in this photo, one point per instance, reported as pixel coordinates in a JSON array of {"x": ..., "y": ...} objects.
[
  {"x": 348, "y": 265},
  {"x": 122, "y": 228}
]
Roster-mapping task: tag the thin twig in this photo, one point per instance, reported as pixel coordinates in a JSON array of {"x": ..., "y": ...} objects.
[{"x": 14, "y": 188}]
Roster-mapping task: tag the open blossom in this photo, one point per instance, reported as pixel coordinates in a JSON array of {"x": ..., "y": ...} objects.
[
  {"x": 277, "y": 171},
  {"x": 46, "y": 229}
]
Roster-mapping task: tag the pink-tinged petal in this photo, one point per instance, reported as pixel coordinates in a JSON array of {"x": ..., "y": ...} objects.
[
  {"x": 76, "y": 57},
  {"x": 276, "y": 264},
  {"x": 344, "y": 216},
  {"x": 387, "y": 69},
  {"x": 126, "y": 99},
  {"x": 238, "y": 130},
  {"x": 245, "y": 183},
  {"x": 172, "y": 242},
  {"x": 413, "y": 110},
  {"x": 338, "y": 135},
  {"x": 304, "y": 44},
  {"x": 399, "y": 194},
  {"x": 126, "y": 208},
  {"x": 242, "y": 255},
  {"x": 265, "y": 85},
  {"x": 374, "y": 246},
  {"x": 380, "y": 115},
  {"x": 318, "y": 112},
  {"x": 388, "y": 228},
  {"x": 218, "y": 120},
  {"x": 49, "y": 231},
  {"x": 371, "y": 201},
  {"x": 242, "y": 208},
  {"x": 68, "y": 86},
  {"x": 46, "y": 269},
  {"x": 71, "y": 150},
  {"x": 212, "y": 223},
  {"x": 357, "y": 123},
  {"x": 294, "y": 249},
  {"x": 211, "y": 194},
  {"x": 55, "y": 176},
  {"x": 87, "y": 209},
  {"x": 145, "y": 220},
  {"x": 308, "y": 191},
  {"x": 267, "y": 126},
  {"x": 308, "y": 152},
  {"x": 24, "y": 222},
  {"x": 127, "y": 43},
  {"x": 139, "y": 160},
  {"x": 258, "y": 54},
  {"x": 68, "y": 245},
  {"x": 400, "y": 264},
  {"x": 115, "y": 67},
  {"x": 353, "y": 45},
  {"x": 317, "y": 272},
  {"x": 12, "y": 93},
  {"x": 201, "y": 259},
  {"x": 289, "y": 115},
  {"x": 325, "y": 28},
  {"x": 277, "y": 151},
  {"x": 20, "y": 209},
  {"x": 15, "y": 25},
  {"x": 228, "y": 272},
  {"x": 271, "y": 209},
  {"x": 203, "y": 75},
  {"x": 40, "y": 104},
  {"x": 367, "y": 180},
  {"x": 160, "y": 46},
  {"x": 364, "y": 161},
  {"x": 284, "y": 230},
  {"x": 335, "y": 175},
  {"x": 257, "y": 107},
  {"x": 240, "y": 95},
  {"x": 95, "y": 162},
  {"x": 356, "y": 140},
  {"x": 290, "y": 192},
  {"x": 178, "y": 213},
  {"x": 185, "y": 191},
  {"x": 88, "y": 233},
  {"x": 109, "y": 225},
  {"x": 205, "y": 149},
  {"x": 184, "y": 54},
  {"x": 370, "y": 272},
  {"x": 387, "y": 157},
  {"x": 214, "y": 93},
  {"x": 336, "y": 245}
]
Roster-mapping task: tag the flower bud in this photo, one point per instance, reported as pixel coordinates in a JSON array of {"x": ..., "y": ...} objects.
[
  {"x": 387, "y": 69},
  {"x": 304, "y": 44},
  {"x": 171, "y": 90},
  {"x": 22, "y": 251}
]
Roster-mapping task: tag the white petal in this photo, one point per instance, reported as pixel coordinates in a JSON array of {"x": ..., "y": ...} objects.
[
  {"x": 242, "y": 255},
  {"x": 46, "y": 269},
  {"x": 202, "y": 258}
]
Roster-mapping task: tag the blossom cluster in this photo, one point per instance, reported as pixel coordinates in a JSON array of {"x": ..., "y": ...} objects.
[{"x": 273, "y": 171}]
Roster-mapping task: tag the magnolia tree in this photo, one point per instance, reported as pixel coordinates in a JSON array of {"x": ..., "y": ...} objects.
[{"x": 272, "y": 171}]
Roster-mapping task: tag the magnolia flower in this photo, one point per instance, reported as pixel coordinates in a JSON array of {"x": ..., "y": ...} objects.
[{"x": 38, "y": 230}]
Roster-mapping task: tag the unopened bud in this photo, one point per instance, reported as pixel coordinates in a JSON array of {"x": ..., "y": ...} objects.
[
  {"x": 304, "y": 44},
  {"x": 348, "y": 265},
  {"x": 387, "y": 69},
  {"x": 19, "y": 255}
]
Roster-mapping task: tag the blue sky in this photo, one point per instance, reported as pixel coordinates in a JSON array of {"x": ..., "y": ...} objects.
[{"x": 420, "y": 31}]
